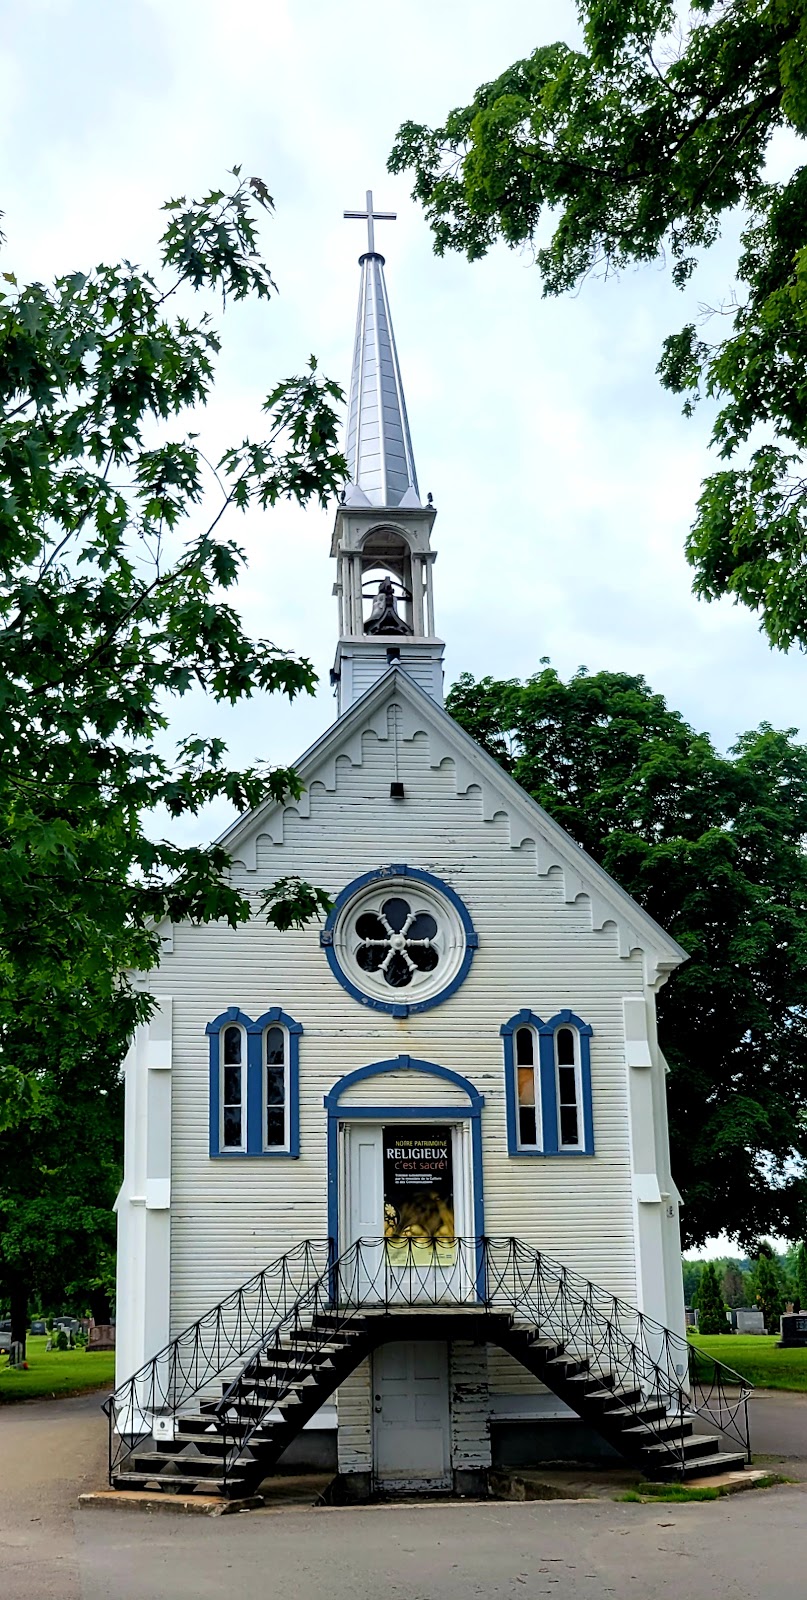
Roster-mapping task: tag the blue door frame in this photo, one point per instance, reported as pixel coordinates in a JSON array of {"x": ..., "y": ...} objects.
[{"x": 472, "y": 1113}]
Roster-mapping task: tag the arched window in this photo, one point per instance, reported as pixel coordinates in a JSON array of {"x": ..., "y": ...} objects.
[
  {"x": 254, "y": 1084},
  {"x": 233, "y": 1088},
  {"x": 568, "y": 1089},
  {"x": 276, "y": 1096},
  {"x": 528, "y": 1090},
  {"x": 548, "y": 1085}
]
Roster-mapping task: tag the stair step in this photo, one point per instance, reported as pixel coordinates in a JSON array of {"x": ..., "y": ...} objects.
[
  {"x": 691, "y": 1446},
  {"x": 177, "y": 1482},
  {"x": 252, "y": 1410},
  {"x": 265, "y": 1390},
  {"x": 566, "y": 1367},
  {"x": 212, "y": 1444},
  {"x": 196, "y": 1428},
  {"x": 659, "y": 1431},
  {"x": 582, "y": 1383},
  {"x": 292, "y": 1360},
  {"x": 712, "y": 1466},
  {"x": 158, "y": 1465},
  {"x": 339, "y": 1320},
  {"x": 313, "y": 1336},
  {"x": 615, "y": 1397}
]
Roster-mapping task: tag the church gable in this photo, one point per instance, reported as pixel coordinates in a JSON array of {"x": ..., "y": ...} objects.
[{"x": 378, "y": 775}]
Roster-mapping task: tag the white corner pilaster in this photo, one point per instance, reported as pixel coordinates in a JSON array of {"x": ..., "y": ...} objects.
[
  {"x": 143, "y": 1205},
  {"x": 647, "y": 1200}
]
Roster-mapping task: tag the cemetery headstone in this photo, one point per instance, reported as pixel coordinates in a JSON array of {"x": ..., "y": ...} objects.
[
  {"x": 793, "y": 1331},
  {"x": 749, "y": 1321},
  {"x": 101, "y": 1336}
]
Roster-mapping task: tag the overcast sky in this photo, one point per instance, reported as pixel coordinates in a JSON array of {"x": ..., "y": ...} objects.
[{"x": 564, "y": 476}]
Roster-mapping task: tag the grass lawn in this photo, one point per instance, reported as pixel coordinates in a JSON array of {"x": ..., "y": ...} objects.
[
  {"x": 756, "y": 1358},
  {"x": 55, "y": 1372}
]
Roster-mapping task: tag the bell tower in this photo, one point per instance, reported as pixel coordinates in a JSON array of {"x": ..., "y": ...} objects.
[{"x": 382, "y": 534}]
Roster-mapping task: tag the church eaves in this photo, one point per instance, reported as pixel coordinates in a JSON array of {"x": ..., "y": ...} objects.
[
  {"x": 475, "y": 771},
  {"x": 378, "y": 445}
]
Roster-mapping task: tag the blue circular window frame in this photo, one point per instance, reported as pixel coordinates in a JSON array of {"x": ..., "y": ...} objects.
[{"x": 397, "y": 1008}]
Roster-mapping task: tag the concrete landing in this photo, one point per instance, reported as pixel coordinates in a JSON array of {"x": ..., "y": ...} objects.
[{"x": 190, "y": 1505}]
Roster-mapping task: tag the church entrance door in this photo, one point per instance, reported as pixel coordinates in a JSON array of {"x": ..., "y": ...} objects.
[{"x": 406, "y": 1198}]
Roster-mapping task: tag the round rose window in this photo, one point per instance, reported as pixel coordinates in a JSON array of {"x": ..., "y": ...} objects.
[{"x": 399, "y": 941}]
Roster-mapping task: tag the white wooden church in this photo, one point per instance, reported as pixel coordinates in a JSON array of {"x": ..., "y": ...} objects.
[{"x": 397, "y": 1195}]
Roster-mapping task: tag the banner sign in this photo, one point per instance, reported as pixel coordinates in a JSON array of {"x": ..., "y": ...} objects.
[{"x": 418, "y": 1194}]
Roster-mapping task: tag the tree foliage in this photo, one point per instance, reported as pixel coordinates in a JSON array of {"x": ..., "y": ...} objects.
[
  {"x": 767, "y": 1286},
  {"x": 634, "y": 148},
  {"x": 801, "y": 1274},
  {"x": 116, "y": 582},
  {"x": 713, "y": 848},
  {"x": 691, "y": 1271},
  {"x": 733, "y": 1287},
  {"x": 59, "y": 1174},
  {"x": 711, "y": 1310}
]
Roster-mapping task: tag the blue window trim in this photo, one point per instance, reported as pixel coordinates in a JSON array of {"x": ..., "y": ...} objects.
[
  {"x": 547, "y": 1082},
  {"x": 379, "y": 1113},
  {"x": 254, "y": 1108},
  {"x": 399, "y": 1008}
]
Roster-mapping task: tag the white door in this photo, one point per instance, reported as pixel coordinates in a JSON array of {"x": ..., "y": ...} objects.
[
  {"x": 411, "y": 1415},
  {"x": 362, "y": 1275},
  {"x": 400, "y": 1258}
]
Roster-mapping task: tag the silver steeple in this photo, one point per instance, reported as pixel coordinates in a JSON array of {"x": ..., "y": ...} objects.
[{"x": 378, "y": 445}]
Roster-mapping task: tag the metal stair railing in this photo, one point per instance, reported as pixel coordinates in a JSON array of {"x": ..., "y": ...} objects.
[
  {"x": 647, "y": 1361},
  {"x": 615, "y": 1338},
  {"x": 375, "y": 1274},
  {"x": 308, "y": 1295},
  {"x": 228, "y": 1333}
]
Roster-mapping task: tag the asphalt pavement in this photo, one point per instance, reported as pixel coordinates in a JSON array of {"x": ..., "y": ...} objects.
[{"x": 752, "y": 1545}]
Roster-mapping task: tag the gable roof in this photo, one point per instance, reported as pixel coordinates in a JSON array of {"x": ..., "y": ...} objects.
[{"x": 528, "y": 820}]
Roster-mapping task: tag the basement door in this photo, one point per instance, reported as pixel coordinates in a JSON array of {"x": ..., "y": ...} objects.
[
  {"x": 405, "y": 1198},
  {"x": 411, "y": 1438}
]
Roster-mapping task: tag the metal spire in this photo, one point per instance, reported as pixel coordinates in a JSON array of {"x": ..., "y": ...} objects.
[{"x": 378, "y": 445}]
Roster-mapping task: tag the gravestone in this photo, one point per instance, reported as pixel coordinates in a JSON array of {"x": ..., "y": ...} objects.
[
  {"x": 101, "y": 1336},
  {"x": 792, "y": 1331},
  {"x": 749, "y": 1321}
]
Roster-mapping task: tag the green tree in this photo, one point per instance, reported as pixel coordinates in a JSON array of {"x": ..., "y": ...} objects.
[
  {"x": 115, "y": 582},
  {"x": 711, "y": 1310},
  {"x": 767, "y": 1286},
  {"x": 634, "y": 148},
  {"x": 692, "y": 1276},
  {"x": 801, "y": 1274},
  {"x": 713, "y": 848},
  {"x": 116, "y": 579},
  {"x": 734, "y": 1288}
]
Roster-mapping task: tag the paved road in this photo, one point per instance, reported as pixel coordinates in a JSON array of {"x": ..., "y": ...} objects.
[
  {"x": 754, "y": 1545},
  {"x": 50, "y": 1451},
  {"x": 779, "y": 1424}
]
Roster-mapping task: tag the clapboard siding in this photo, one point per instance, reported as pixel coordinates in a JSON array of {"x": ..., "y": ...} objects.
[
  {"x": 354, "y": 1406},
  {"x": 470, "y": 1405},
  {"x": 535, "y": 950},
  {"x": 403, "y": 1089}
]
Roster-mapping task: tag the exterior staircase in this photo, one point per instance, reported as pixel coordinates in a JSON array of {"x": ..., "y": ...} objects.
[{"x": 617, "y": 1372}]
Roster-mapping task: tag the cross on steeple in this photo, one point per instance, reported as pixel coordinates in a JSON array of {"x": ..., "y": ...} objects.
[{"x": 370, "y": 216}]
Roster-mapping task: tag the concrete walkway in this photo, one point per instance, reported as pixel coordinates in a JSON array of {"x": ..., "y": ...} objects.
[
  {"x": 50, "y": 1451},
  {"x": 778, "y": 1424},
  {"x": 755, "y": 1544}
]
